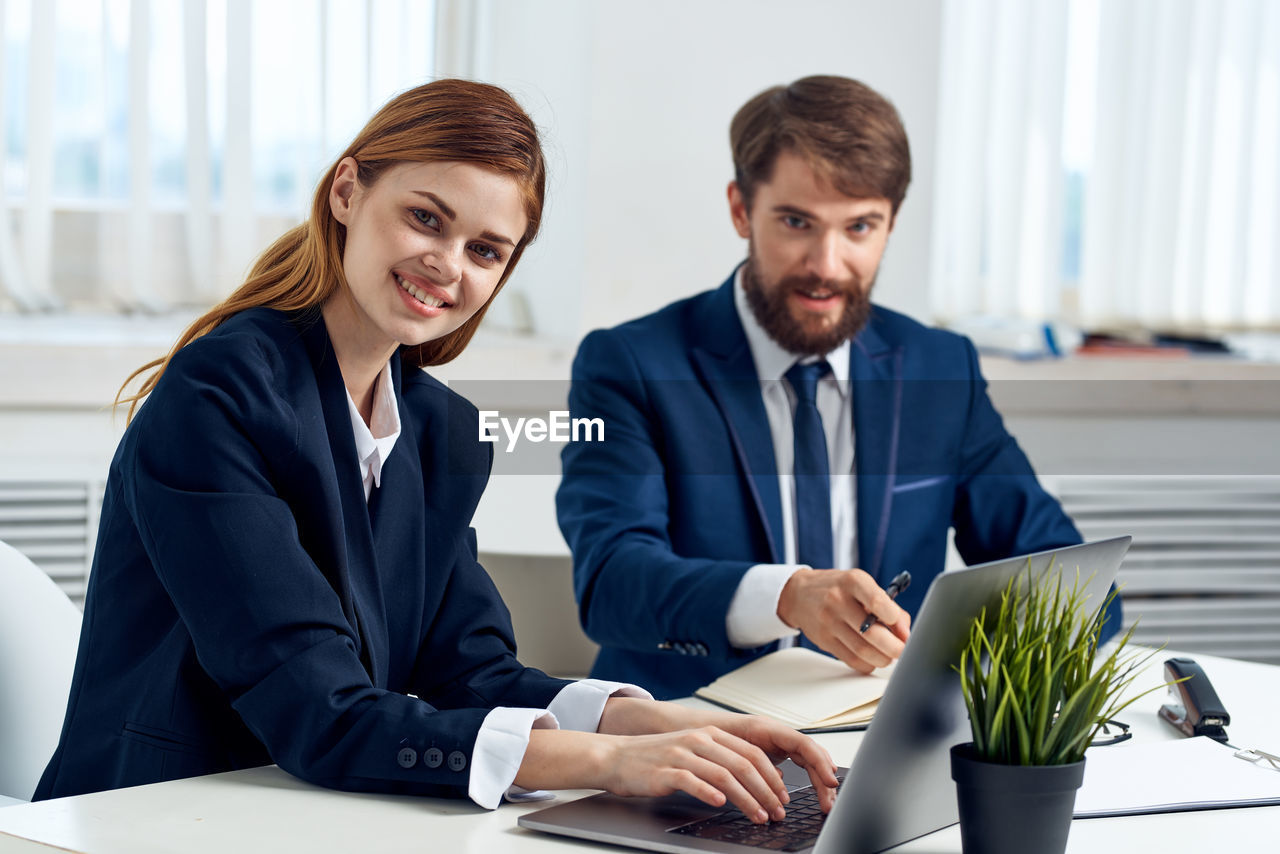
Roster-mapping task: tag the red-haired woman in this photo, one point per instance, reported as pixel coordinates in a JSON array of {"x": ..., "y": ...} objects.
[{"x": 285, "y": 570}]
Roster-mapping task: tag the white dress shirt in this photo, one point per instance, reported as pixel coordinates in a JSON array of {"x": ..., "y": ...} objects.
[
  {"x": 504, "y": 734},
  {"x": 375, "y": 440},
  {"x": 752, "y": 619}
]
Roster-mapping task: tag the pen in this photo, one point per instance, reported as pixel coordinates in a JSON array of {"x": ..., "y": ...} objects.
[{"x": 900, "y": 582}]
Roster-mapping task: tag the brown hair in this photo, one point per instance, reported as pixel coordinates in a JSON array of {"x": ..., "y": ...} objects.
[
  {"x": 456, "y": 120},
  {"x": 846, "y": 131}
]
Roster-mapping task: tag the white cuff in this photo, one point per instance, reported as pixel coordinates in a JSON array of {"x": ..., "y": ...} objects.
[
  {"x": 504, "y": 736},
  {"x": 499, "y": 750},
  {"x": 580, "y": 704},
  {"x": 753, "y": 619}
]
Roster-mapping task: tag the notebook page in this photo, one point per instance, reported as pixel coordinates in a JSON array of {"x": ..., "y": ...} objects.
[
  {"x": 1172, "y": 776},
  {"x": 797, "y": 686}
]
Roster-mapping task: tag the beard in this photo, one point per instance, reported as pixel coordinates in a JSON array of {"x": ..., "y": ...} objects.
[{"x": 770, "y": 305}]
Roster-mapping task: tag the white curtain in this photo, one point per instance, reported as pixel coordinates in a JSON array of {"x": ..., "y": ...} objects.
[
  {"x": 1180, "y": 220},
  {"x": 461, "y": 49},
  {"x": 998, "y": 210},
  {"x": 1183, "y": 207},
  {"x": 215, "y": 125}
]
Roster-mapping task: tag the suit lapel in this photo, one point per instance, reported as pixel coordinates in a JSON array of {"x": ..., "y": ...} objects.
[
  {"x": 357, "y": 563},
  {"x": 875, "y": 369},
  {"x": 723, "y": 362}
]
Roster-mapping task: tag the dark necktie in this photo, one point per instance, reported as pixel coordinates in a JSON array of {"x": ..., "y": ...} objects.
[{"x": 813, "y": 486}]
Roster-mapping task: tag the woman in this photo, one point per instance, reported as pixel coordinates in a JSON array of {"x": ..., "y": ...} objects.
[{"x": 285, "y": 570}]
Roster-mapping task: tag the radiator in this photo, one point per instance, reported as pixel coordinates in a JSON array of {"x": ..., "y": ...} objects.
[
  {"x": 1203, "y": 573},
  {"x": 55, "y": 524}
]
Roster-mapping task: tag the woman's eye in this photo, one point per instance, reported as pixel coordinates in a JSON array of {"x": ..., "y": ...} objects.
[
  {"x": 427, "y": 218},
  {"x": 488, "y": 253}
]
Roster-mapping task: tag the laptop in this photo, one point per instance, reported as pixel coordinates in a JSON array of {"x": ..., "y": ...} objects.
[{"x": 899, "y": 785}]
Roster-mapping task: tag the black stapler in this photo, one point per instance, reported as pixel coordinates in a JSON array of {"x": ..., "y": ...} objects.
[{"x": 1193, "y": 707}]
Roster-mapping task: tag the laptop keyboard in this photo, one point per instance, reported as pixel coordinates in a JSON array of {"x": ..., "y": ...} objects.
[{"x": 797, "y": 831}]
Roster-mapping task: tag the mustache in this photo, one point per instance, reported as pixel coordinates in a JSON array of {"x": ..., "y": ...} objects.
[{"x": 847, "y": 287}]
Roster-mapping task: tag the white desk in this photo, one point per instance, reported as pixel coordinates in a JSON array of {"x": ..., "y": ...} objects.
[{"x": 265, "y": 809}]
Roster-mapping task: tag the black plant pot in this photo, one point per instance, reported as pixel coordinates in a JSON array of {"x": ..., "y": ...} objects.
[{"x": 1013, "y": 809}]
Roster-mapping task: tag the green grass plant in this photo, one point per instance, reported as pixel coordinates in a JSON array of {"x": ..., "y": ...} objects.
[{"x": 1036, "y": 691}]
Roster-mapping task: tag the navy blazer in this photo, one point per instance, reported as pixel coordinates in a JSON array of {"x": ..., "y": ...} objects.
[
  {"x": 681, "y": 498},
  {"x": 246, "y": 605}
]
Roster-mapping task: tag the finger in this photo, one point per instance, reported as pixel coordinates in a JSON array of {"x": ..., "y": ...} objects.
[
  {"x": 829, "y": 643},
  {"x": 873, "y": 598},
  {"x": 902, "y": 628},
  {"x": 862, "y": 648},
  {"x": 878, "y": 602},
  {"x": 826, "y": 796},
  {"x": 885, "y": 640},
  {"x": 760, "y": 762},
  {"x": 684, "y": 780},
  {"x": 845, "y": 615},
  {"x": 851, "y": 659},
  {"x": 879, "y": 638},
  {"x": 825, "y": 782},
  {"x": 731, "y": 754},
  {"x": 811, "y": 756},
  {"x": 717, "y": 775},
  {"x": 846, "y": 643}
]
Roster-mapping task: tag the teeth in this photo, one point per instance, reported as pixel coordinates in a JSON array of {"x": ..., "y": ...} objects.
[{"x": 420, "y": 295}]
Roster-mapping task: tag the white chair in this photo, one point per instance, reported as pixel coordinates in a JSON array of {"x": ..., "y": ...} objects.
[{"x": 39, "y": 633}]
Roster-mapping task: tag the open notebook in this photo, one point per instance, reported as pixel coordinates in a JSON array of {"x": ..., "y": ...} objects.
[{"x": 804, "y": 689}]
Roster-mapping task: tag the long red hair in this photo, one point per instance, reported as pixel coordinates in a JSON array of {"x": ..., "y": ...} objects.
[{"x": 456, "y": 120}]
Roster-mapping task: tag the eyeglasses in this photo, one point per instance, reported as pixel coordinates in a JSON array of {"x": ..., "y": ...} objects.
[
  {"x": 1255, "y": 755},
  {"x": 1111, "y": 732}
]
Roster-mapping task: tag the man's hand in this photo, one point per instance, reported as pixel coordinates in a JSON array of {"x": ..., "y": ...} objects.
[{"x": 829, "y": 606}]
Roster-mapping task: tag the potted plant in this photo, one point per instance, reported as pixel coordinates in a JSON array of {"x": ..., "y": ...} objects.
[{"x": 1037, "y": 695}]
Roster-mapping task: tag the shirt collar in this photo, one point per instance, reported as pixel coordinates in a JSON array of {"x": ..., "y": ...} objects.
[
  {"x": 771, "y": 360},
  {"x": 375, "y": 440}
]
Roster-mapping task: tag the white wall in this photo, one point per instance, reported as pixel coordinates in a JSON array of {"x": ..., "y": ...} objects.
[{"x": 635, "y": 100}]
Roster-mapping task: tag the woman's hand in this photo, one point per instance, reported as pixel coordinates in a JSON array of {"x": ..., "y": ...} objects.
[
  {"x": 650, "y": 748},
  {"x": 709, "y": 763},
  {"x": 780, "y": 742}
]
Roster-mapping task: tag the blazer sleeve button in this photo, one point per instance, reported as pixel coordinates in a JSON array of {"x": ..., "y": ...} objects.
[
  {"x": 457, "y": 760},
  {"x": 407, "y": 757},
  {"x": 433, "y": 757}
]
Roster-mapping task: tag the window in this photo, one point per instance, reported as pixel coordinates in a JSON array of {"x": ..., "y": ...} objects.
[
  {"x": 1110, "y": 164},
  {"x": 151, "y": 149}
]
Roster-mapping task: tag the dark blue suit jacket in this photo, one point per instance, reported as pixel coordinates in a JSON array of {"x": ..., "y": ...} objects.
[
  {"x": 681, "y": 498},
  {"x": 246, "y": 606}
]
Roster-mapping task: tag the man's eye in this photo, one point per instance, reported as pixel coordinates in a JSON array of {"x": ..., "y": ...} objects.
[
  {"x": 860, "y": 227},
  {"x": 791, "y": 221},
  {"x": 427, "y": 218}
]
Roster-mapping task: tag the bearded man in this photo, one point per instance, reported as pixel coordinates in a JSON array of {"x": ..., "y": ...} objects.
[{"x": 779, "y": 448}]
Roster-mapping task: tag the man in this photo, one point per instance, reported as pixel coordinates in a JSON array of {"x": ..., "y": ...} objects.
[{"x": 761, "y": 433}]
